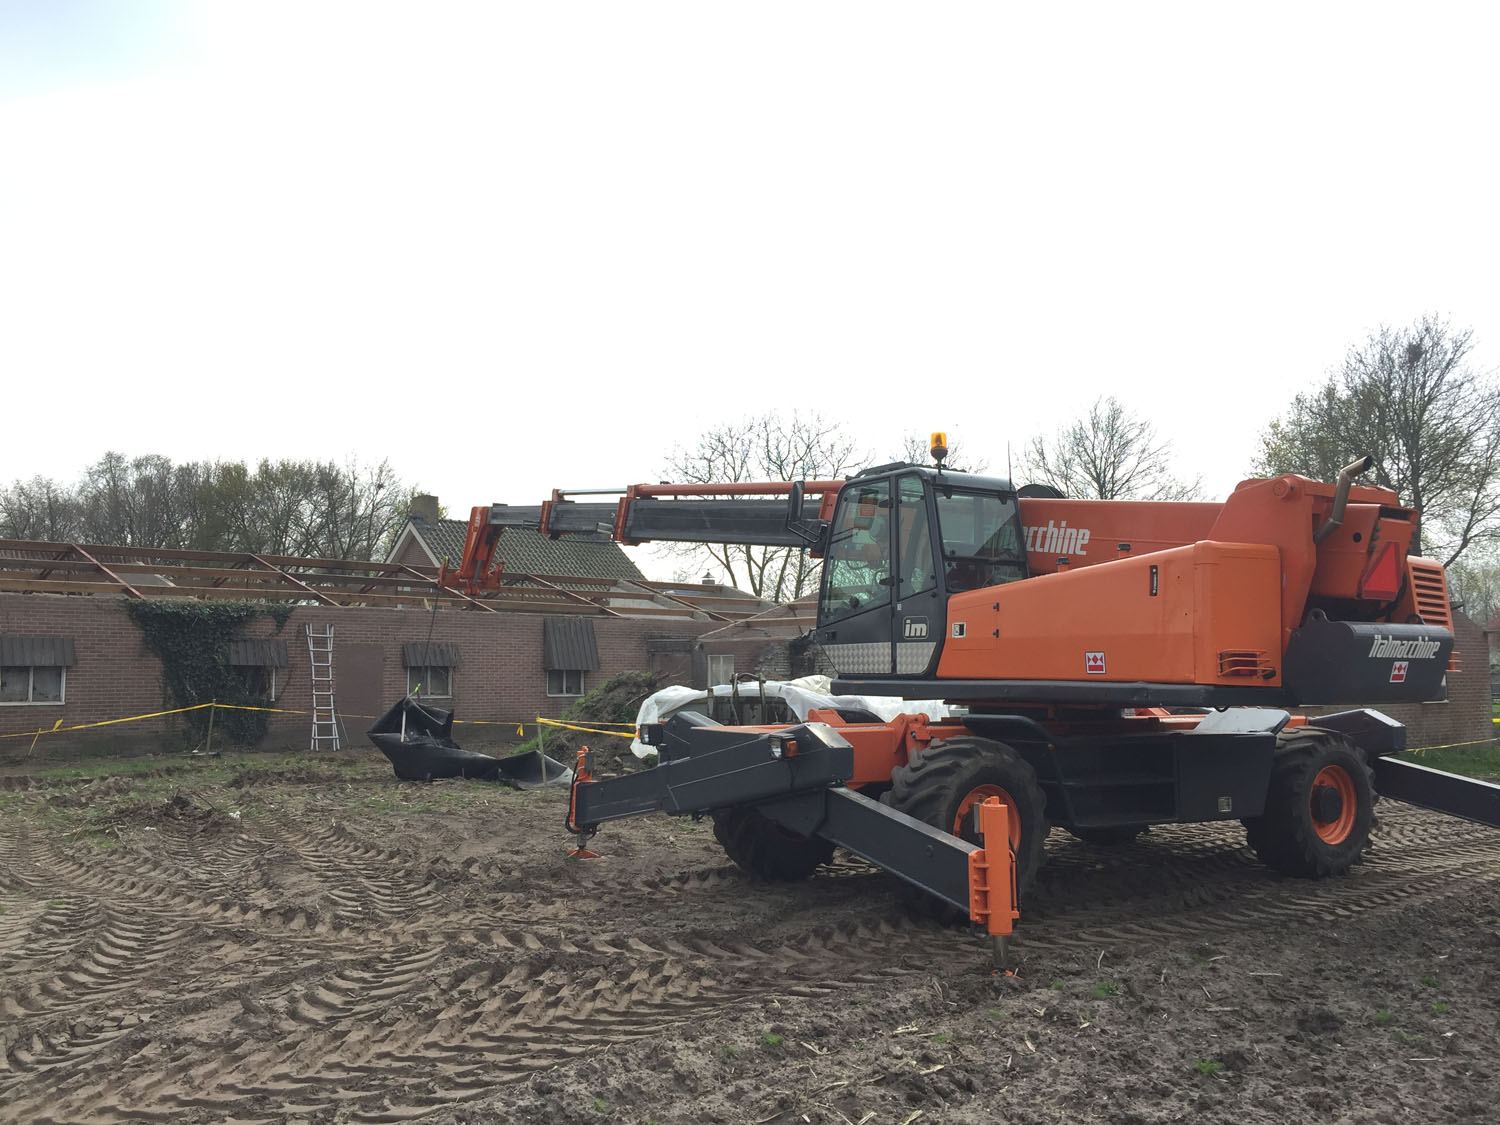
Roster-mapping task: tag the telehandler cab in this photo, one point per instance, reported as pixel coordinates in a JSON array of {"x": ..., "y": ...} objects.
[{"x": 1122, "y": 663}]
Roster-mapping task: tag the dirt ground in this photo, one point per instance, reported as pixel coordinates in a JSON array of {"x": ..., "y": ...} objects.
[{"x": 272, "y": 940}]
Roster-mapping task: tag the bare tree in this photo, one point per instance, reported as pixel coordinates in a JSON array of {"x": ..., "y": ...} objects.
[
  {"x": 1107, "y": 454},
  {"x": 1474, "y": 584},
  {"x": 1410, "y": 398},
  {"x": 916, "y": 449},
  {"x": 38, "y": 509},
  {"x": 305, "y": 508},
  {"x": 769, "y": 447}
]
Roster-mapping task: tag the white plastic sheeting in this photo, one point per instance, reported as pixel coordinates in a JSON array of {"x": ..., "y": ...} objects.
[{"x": 803, "y": 695}]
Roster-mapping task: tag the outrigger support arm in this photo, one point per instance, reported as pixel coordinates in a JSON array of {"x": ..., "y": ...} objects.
[{"x": 795, "y": 776}]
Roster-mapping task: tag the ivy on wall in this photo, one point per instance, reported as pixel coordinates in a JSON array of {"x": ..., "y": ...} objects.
[{"x": 191, "y": 639}]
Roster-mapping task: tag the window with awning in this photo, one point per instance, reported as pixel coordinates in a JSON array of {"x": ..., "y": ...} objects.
[
  {"x": 34, "y": 670},
  {"x": 569, "y": 652},
  {"x": 429, "y": 669}
]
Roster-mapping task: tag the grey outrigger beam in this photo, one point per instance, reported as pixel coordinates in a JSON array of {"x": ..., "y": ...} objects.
[
  {"x": 794, "y": 776},
  {"x": 1438, "y": 790}
]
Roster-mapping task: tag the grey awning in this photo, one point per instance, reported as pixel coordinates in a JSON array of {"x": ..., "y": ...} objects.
[
  {"x": 568, "y": 644},
  {"x": 255, "y": 653},
  {"x": 41, "y": 652},
  {"x": 429, "y": 656}
]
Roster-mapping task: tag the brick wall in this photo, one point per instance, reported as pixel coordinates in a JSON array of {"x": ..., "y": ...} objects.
[
  {"x": 114, "y": 674},
  {"x": 500, "y": 678}
]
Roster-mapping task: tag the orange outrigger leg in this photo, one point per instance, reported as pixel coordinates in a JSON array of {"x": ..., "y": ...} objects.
[
  {"x": 582, "y": 773},
  {"x": 993, "y": 899}
]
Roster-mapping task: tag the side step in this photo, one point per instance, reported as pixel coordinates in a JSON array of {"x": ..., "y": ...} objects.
[
  {"x": 1443, "y": 792},
  {"x": 795, "y": 776}
]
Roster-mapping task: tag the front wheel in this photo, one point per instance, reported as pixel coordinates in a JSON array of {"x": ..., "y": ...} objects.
[
  {"x": 762, "y": 847},
  {"x": 941, "y": 784},
  {"x": 1319, "y": 805}
]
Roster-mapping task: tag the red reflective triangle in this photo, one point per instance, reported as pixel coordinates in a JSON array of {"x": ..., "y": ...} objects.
[{"x": 1382, "y": 580}]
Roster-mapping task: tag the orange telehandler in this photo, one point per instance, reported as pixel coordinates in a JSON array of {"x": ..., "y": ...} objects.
[{"x": 1122, "y": 663}]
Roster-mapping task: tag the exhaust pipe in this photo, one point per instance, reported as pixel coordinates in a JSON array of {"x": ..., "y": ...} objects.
[{"x": 1341, "y": 497}]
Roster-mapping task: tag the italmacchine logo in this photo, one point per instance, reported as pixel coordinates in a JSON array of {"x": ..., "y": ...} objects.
[
  {"x": 1057, "y": 539},
  {"x": 1389, "y": 648}
]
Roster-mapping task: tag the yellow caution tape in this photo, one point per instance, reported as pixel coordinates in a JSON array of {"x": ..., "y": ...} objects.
[
  {"x": 56, "y": 729},
  {"x": 1450, "y": 745},
  {"x": 585, "y": 730}
]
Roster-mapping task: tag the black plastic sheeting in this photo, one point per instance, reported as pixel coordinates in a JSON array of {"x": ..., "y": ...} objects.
[{"x": 418, "y": 740}]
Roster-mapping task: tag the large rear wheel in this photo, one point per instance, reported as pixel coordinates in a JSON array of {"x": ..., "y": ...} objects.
[
  {"x": 762, "y": 847},
  {"x": 1319, "y": 806},
  {"x": 941, "y": 784}
]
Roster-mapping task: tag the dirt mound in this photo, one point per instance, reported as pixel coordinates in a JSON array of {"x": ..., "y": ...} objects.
[
  {"x": 183, "y": 811},
  {"x": 91, "y": 793},
  {"x": 298, "y": 775},
  {"x": 614, "y": 702}
]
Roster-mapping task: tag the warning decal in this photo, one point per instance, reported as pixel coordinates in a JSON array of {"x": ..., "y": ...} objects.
[
  {"x": 1093, "y": 663},
  {"x": 1398, "y": 671}
]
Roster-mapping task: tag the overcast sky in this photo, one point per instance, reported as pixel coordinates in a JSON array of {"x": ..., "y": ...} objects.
[{"x": 515, "y": 247}]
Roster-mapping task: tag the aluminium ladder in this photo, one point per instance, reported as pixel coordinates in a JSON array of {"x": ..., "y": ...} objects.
[{"x": 325, "y": 728}]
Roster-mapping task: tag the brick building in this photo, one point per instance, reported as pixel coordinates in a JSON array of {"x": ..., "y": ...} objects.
[
  {"x": 70, "y": 654},
  {"x": 486, "y": 666}
]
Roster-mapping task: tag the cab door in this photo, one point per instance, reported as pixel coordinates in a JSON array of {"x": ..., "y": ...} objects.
[
  {"x": 854, "y": 609},
  {"x": 919, "y": 616}
]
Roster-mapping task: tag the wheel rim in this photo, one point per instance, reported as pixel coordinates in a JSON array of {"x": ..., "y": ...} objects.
[
  {"x": 1337, "y": 830},
  {"x": 976, "y": 796}
]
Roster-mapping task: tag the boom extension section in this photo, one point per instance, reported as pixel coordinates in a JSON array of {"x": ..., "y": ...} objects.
[
  {"x": 794, "y": 777},
  {"x": 769, "y": 513}
]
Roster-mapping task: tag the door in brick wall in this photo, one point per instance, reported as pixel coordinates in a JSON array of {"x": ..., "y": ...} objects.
[{"x": 358, "y": 672}]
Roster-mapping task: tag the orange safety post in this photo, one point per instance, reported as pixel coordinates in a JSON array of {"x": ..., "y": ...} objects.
[{"x": 994, "y": 901}]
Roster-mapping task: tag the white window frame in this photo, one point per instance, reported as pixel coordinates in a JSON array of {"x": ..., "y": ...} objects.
[
  {"x": 714, "y": 658},
  {"x": 423, "y": 679},
  {"x": 565, "y": 673},
  {"x": 62, "y": 687}
]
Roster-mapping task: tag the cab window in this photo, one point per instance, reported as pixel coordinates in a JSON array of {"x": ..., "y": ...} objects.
[
  {"x": 918, "y": 575},
  {"x": 981, "y": 540},
  {"x": 857, "y": 564}
]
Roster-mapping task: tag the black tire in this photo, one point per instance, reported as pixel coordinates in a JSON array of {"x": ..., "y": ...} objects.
[
  {"x": 934, "y": 783},
  {"x": 1109, "y": 837},
  {"x": 762, "y": 847},
  {"x": 1287, "y": 835}
]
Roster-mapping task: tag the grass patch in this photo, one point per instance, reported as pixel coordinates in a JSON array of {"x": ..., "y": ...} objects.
[
  {"x": 942, "y": 1038},
  {"x": 1407, "y": 1038},
  {"x": 729, "y": 1051},
  {"x": 1439, "y": 1008},
  {"x": 1105, "y": 989},
  {"x": 772, "y": 1040},
  {"x": 995, "y": 1014},
  {"x": 1384, "y": 1018},
  {"x": 1481, "y": 760},
  {"x": 600, "y": 1105},
  {"x": 1208, "y": 1067}
]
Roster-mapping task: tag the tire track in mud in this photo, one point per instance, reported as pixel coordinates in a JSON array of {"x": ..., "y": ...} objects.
[
  {"x": 460, "y": 1031},
  {"x": 429, "y": 998},
  {"x": 364, "y": 882}
]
